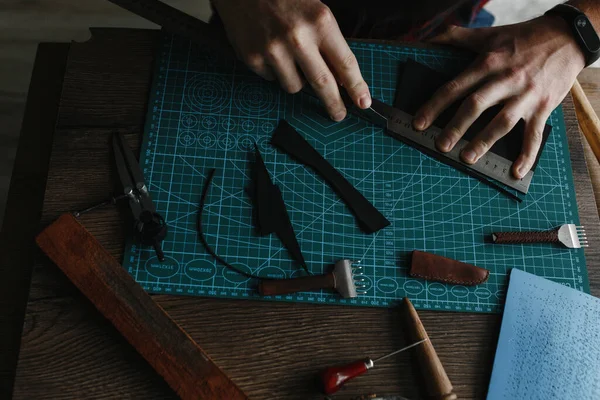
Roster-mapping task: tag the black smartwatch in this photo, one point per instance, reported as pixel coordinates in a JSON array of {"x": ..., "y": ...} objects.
[{"x": 582, "y": 28}]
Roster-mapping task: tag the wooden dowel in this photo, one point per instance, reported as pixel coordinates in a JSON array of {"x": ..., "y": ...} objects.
[
  {"x": 166, "y": 347},
  {"x": 588, "y": 120},
  {"x": 438, "y": 386}
]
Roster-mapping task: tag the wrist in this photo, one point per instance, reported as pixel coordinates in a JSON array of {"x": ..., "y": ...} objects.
[
  {"x": 564, "y": 39},
  {"x": 582, "y": 29}
]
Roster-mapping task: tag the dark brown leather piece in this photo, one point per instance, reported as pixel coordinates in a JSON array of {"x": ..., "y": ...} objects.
[{"x": 432, "y": 267}]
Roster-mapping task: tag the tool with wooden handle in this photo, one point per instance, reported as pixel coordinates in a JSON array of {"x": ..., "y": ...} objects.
[
  {"x": 588, "y": 120},
  {"x": 145, "y": 325},
  {"x": 333, "y": 378},
  {"x": 569, "y": 235},
  {"x": 345, "y": 279},
  {"x": 438, "y": 386}
]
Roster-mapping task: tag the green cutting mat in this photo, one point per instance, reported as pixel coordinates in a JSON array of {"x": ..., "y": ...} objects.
[{"x": 205, "y": 112}]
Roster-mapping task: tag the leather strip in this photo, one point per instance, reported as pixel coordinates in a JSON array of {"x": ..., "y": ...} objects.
[
  {"x": 526, "y": 237},
  {"x": 287, "y": 139},
  {"x": 271, "y": 213},
  {"x": 432, "y": 267}
]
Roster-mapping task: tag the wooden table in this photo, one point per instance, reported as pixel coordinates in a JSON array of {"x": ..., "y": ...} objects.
[{"x": 271, "y": 350}]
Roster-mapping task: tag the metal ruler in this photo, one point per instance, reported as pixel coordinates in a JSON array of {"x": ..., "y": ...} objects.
[{"x": 398, "y": 123}]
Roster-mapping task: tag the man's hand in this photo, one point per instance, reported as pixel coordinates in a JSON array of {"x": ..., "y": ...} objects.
[
  {"x": 528, "y": 67},
  {"x": 295, "y": 41}
]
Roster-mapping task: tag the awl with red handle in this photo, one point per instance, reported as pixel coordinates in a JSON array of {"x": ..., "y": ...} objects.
[{"x": 333, "y": 378}]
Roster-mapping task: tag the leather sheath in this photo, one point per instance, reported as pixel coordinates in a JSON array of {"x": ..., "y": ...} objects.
[{"x": 432, "y": 267}]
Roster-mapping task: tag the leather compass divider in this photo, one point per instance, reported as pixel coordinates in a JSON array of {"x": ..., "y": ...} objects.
[{"x": 398, "y": 123}]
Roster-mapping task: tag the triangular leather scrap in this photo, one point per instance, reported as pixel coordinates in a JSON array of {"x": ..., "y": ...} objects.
[{"x": 441, "y": 269}]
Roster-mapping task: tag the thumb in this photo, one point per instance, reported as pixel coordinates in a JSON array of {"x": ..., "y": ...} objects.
[{"x": 468, "y": 38}]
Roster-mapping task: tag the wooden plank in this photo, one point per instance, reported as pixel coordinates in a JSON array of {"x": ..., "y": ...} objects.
[
  {"x": 271, "y": 350},
  {"x": 116, "y": 82},
  {"x": 171, "y": 352},
  {"x": 586, "y": 201},
  {"x": 25, "y": 199},
  {"x": 590, "y": 82}
]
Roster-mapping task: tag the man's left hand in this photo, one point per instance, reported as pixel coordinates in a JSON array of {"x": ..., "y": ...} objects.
[{"x": 528, "y": 67}]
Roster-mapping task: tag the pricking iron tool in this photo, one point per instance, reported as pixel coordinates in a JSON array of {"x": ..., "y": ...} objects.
[
  {"x": 345, "y": 279},
  {"x": 569, "y": 235},
  {"x": 149, "y": 225}
]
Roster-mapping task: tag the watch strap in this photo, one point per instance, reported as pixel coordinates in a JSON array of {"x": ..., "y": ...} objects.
[{"x": 582, "y": 29}]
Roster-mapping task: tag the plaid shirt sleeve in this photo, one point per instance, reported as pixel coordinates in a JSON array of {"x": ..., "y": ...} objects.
[{"x": 463, "y": 15}]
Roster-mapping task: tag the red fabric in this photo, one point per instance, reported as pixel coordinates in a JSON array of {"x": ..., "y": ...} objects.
[{"x": 459, "y": 16}]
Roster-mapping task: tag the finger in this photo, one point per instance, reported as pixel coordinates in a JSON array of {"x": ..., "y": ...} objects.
[
  {"x": 534, "y": 131},
  {"x": 282, "y": 62},
  {"x": 454, "y": 90},
  {"x": 497, "y": 128},
  {"x": 468, "y": 38},
  {"x": 319, "y": 76},
  {"x": 336, "y": 52},
  {"x": 471, "y": 108},
  {"x": 256, "y": 63}
]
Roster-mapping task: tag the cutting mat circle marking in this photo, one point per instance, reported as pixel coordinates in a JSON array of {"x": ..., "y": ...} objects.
[
  {"x": 226, "y": 142},
  {"x": 233, "y": 276},
  {"x": 162, "y": 269},
  {"x": 248, "y": 125},
  {"x": 264, "y": 145},
  {"x": 297, "y": 274},
  {"x": 187, "y": 138},
  {"x": 206, "y": 140},
  {"x": 413, "y": 287},
  {"x": 500, "y": 295},
  {"x": 200, "y": 270},
  {"x": 246, "y": 143},
  {"x": 272, "y": 272},
  {"x": 267, "y": 127},
  {"x": 459, "y": 291},
  {"x": 207, "y": 93},
  {"x": 189, "y": 120},
  {"x": 483, "y": 293},
  {"x": 254, "y": 98},
  {"x": 436, "y": 289},
  {"x": 387, "y": 285},
  {"x": 228, "y": 124},
  {"x": 209, "y": 122}
]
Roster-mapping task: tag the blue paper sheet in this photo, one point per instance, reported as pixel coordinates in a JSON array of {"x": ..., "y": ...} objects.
[{"x": 549, "y": 345}]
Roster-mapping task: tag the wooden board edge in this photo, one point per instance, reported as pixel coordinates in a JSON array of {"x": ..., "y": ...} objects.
[{"x": 584, "y": 191}]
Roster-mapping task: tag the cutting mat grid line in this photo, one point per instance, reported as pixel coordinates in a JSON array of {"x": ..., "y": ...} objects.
[{"x": 206, "y": 112}]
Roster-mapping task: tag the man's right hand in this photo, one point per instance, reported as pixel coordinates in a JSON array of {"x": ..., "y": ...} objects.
[{"x": 295, "y": 41}]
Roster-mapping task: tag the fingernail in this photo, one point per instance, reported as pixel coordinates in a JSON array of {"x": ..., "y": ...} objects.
[
  {"x": 522, "y": 171},
  {"x": 469, "y": 156},
  {"x": 444, "y": 144},
  {"x": 365, "y": 101},
  {"x": 419, "y": 123},
  {"x": 338, "y": 116}
]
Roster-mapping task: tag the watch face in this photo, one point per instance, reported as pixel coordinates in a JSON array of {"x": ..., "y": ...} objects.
[{"x": 587, "y": 33}]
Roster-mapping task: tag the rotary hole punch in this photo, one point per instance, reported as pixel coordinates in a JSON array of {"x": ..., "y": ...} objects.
[{"x": 149, "y": 226}]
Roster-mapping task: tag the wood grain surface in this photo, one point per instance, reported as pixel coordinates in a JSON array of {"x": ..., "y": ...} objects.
[
  {"x": 143, "y": 323},
  {"x": 270, "y": 350}
]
